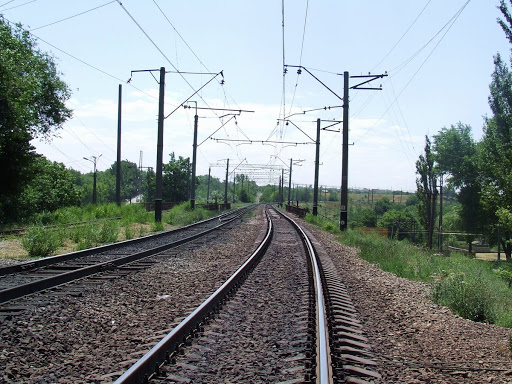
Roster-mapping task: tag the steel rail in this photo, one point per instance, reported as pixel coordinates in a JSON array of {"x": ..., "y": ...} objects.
[
  {"x": 323, "y": 369},
  {"x": 66, "y": 277},
  {"x": 150, "y": 363},
  {"x": 21, "y": 267}
]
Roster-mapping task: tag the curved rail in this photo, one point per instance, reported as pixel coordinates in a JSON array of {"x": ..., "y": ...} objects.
[
  {"x": 323, "y": 368},
  {"x": 151, "y": 361},
  {"x": 62, "y": 278}
]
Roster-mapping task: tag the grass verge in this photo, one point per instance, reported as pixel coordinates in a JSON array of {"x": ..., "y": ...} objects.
[{"x": 473, "y": 289}]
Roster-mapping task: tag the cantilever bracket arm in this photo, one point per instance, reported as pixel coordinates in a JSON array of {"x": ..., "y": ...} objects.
[{"x": 372, "y": 77}]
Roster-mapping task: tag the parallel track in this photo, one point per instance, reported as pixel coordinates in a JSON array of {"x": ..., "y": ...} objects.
[
  {"x": 339, "y": 352},
  {"x": 30, "y": 277}
]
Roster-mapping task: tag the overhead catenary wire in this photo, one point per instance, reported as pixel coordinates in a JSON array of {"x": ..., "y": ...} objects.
[
  {"x": 88, "y": 64},
  {"x": 17, "y": 6},
  {"x": 453, "y": 20},
  {"x": 71, "y": 17},
  {"x": 401, "y": 38}
]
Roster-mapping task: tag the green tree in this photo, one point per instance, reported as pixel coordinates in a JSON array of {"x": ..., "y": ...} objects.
[
  {"x": 130, "y": 179},
  {"x": 427, "y": 190},
  {"x": 52, "y": 186},
  {"x": 401, "y": 224},
  {"x": 496, "y": 146},
  {"x": 175, "y": 179},
  {"x": 32, "y": 105},
  {"x": 457, "y": 157},
  {"x": 382, "y": 206}
]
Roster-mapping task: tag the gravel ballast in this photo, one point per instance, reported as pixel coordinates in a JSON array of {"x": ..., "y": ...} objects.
[{"x": 414, "y": 339}]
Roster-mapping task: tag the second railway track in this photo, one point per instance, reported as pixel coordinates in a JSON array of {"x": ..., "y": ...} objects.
[{"x": 34, "y": 276}]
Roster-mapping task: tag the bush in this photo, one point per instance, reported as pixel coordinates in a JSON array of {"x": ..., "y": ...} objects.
[
  {"x": 183, "y": 214},
  {"x": 468, "y": 296},
  {"x": 41, "y": 242}
]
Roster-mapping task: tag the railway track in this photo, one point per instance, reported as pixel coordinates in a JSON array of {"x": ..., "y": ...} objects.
[
  {"x": 111, "y": 261},
  {"x": 283, "y": 316}
]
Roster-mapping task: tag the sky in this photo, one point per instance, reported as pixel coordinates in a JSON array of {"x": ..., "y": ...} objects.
[{"x": 437, "y": 54}]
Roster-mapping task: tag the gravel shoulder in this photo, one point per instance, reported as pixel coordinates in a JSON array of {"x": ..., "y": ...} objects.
[{"x": 416, "y": 340}]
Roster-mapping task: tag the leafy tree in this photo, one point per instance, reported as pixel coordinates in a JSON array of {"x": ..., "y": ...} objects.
[
  {"x": 32, "y": 105},
  {"x": 382, "y": 206},
  {"x": 496, "y": 146},
  {"x": 401, "y": 224},
  {"x": 427, "y": 190},
  {"x": 457, "y": 157},
  {"x": 130, "y": 179},
  {"x": 51, "y": 187},
  {"x": 363, "y": 217},
  {"x": 175, "y": 179}
]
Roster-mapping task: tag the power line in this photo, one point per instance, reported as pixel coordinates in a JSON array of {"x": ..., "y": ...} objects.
[
  {"x": 405, "y": 33},
  {"x": 85, "y": 63},
  {"x": 453, "y": 20},
  {"x": 71, "y": 17},
  {"x": 17, "y": 6},
  {"x": 301, "y": 52}
]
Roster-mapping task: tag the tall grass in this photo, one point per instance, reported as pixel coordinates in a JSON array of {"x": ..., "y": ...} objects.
[
  {"x": 70, "y": 215},
  {"x": 470, "y": 287},
  {"x": 183, "y": 214},
  {"x": 40, "y": 242}
]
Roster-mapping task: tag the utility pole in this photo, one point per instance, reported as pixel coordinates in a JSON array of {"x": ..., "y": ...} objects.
[
  {"x": 234, "y": 187},
  {"x": 226, "y": 186},
  {"x": 290, "y": 181},
  {"x": 118, "y": 165},
  {"x": 160, "y": 148},
  {"x": 194, "y": 162},
  {"x": 282, "y": 187},
  {"x": 344, "y": 157},
  {"x": 208, "y": 193},
  {"x": 441, "y": 215},
  {"x": 93, "y": 160},
  {"x": 317, "y": 168}
]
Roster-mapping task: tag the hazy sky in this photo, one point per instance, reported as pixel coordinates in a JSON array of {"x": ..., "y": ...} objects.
[{"x": 438, "y": 54}]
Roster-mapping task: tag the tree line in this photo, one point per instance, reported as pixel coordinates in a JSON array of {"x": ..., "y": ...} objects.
[{"x": 479, "y": 171}]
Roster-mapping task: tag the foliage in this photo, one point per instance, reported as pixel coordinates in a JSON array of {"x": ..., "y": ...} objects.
[
  {"x": 322, "y": 222},
  {"x": 470, "y": 287},
  {"x": 382, "y": 206},
  {"x": 401, "y": 224},
  {"x": 427, "y": 190},
  {"x": 40, "y": 242},
  {"x": 505, "y": 275},
  {"x": 52, "y": 187},
  {"x": 468, "y": 295},
  {"x": 32, "y": 101},
  {"x": 93, "y": 234},
  {"x": 175, "y": 179},
  {"x": 362, "y": 217},
  {"x": 130, "y": 180},
  {"x": 183, "y": 214},
  {"x": 457, "y": 157}
]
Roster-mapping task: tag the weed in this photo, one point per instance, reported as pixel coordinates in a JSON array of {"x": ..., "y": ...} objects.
[
  {"x": 157, "y": 226},
  {"x": 41, "y": 242},
  {"x": 128, "y": 232},
  {"x": 468, "y": 296}
]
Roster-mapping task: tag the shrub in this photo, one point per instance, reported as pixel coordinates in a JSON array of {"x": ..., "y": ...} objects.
[
  {"x": 468, "y": 296},
  {"x": 505, "y": 275},
  {"x": 41, "y": 242},
  {"x": 108, "y": 232},
  {"x": 183, "y": 214}
]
